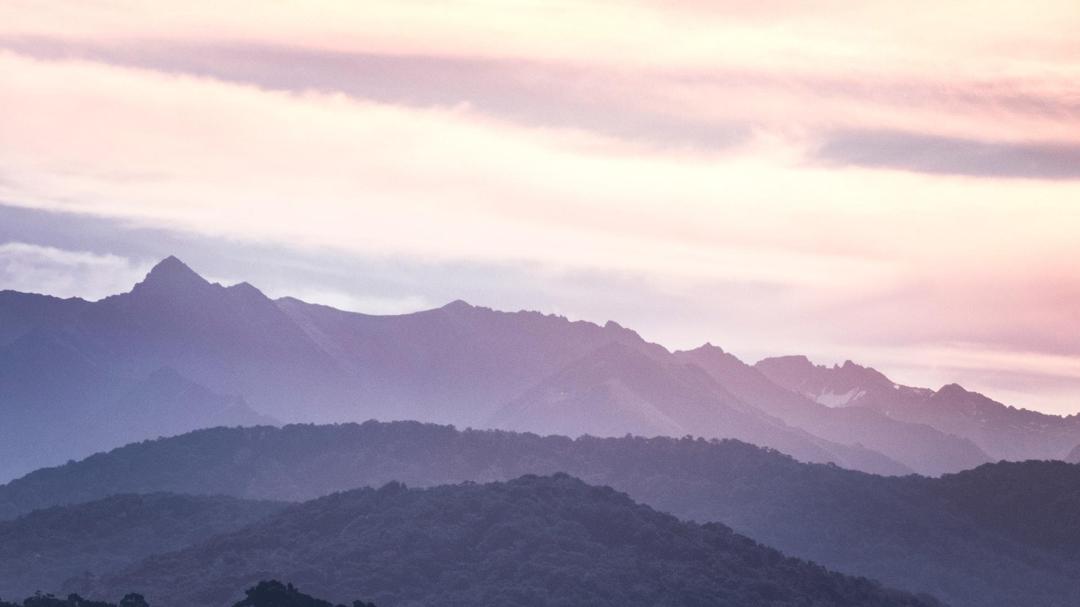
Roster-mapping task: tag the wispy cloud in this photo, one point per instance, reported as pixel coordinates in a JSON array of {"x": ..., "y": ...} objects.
[
  {"x": 930, "y": 154},
  {"x": 366, "y": 304},
  {"x": 63, "y": 273}
]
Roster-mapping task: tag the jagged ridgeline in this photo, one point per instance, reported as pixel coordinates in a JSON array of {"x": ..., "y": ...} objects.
[{"x": 178, "y": 353}]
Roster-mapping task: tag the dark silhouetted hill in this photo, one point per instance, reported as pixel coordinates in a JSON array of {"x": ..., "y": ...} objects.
[
  {"x": 268, "y": 593},
  {"x": 43, "y": 549},
  {"x": 950, "y": 536},
  {"x": 533, "y": 541},
  {"x": 272, "y": 593},
  {"x": 1036, "y": 503}
]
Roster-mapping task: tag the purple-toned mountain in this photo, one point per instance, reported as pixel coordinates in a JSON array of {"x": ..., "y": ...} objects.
[
  {"x": 836, "y": 386},
  {"x": 619, "y": 390},
  {"x": 455, "y": 364},
  {"x": 62, "y": 398},
  {"x": 1002, "y": 431},
  {"x": 919, "y": 445},
  {"x": 459, "y": 364}
]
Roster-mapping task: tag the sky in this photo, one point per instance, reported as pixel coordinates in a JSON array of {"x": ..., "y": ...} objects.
[{"x": 892, "y": 183}]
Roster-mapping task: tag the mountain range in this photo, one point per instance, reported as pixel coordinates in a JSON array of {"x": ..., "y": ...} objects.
[
  {"x": 178, "y": 353},
  {"x": 1002, "y": 431},
  {"x": 996, "y": 536}
]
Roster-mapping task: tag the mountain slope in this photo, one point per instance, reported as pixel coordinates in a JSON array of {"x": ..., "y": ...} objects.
[
  {"x": 166, "y": 402},
  {"x": 837, "y": 386},
  {"x": 62, "y": 400},
  {"x": 174, "y": 354},
  {"x": 920, "y": 534},
  {"x": 531, "y": 541},
  {"x": 233, "y": 340},
  {"x": 47, "y": 547},
  {"x": 924, "y": 448},
  {"x": 23, "y": 312},
  {"x": 1032, "y": 502},
  {"x": 619, "y": 390},
  {"x": 1001, "y": 431},
  {"x": 456, "y": 364}
]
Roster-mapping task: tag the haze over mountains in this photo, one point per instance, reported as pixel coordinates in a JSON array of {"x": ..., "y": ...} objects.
[
  {"x": 1002, "y": 431},
  {"x": 997, "y": 536},
  {"x": 178, "y": 353}
]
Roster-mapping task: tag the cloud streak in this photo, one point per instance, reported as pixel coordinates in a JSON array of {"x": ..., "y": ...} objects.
[
  {"x": 929, "y": 154},
  {"x": 64, "y": 273}
]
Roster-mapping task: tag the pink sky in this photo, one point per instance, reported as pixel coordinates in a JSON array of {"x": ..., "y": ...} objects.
[{"x": 895, "y": 183}]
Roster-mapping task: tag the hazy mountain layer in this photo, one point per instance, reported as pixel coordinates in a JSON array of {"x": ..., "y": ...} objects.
[
  {"x": 619, "y": 390},
  {"x": 179, "y": 352},
  {"x": 1002, "y": 431},
  {"x": 61, "y": 399},
  {"x": 919, "y": 445}
]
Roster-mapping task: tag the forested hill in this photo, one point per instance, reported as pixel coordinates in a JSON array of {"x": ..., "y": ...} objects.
[
  {"x": 268, "y": 593},
  {"x": 531, "y": 541},
  {"x": 43, "y": 549},
  {"x": 956, "y": 537}
]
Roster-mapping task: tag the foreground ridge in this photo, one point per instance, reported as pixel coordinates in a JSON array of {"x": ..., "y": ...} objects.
[
  {"x": 945, "y": 536},
  {"x": 267, "y": 593}
]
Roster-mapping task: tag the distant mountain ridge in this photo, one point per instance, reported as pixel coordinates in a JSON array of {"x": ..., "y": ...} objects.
[
  {"x": 62, "y": 397},
  {"x": 254, "y": 359},
  {"x": 957, "y": 537},
  {"x": 620, "y": 390},
  {"x": 919, "y": 445},
  {"x": 999, "y": 430}
]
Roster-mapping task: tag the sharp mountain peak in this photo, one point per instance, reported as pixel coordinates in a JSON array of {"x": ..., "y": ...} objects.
[
  {"x": 458, "y": 304},
  {"x": 707, "y": 348},
  {"x": 171, "y": 273}
]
